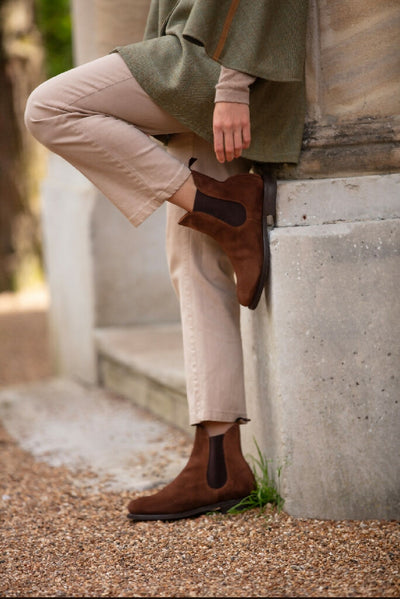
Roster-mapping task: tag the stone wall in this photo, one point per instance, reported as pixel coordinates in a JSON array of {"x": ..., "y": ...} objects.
[
  {"x": 322, "y": 351},
  {"x": 353, "y": 74}
]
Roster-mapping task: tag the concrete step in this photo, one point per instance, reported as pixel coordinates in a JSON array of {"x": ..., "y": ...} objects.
[{"x": 145, "y": 364}]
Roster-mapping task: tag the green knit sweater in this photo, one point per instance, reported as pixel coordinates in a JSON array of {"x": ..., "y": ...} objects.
[{"x": 178, "y": 65}]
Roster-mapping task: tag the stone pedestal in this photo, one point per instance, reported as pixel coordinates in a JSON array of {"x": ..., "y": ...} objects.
[{"x": 322, "y": 351}]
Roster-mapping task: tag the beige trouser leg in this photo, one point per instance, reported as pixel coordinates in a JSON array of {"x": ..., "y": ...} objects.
[
  {"x": 203, "y": 279},
  {"x": 98, "y": 118}
]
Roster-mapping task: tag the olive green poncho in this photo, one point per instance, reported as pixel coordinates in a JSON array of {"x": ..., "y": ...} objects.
[{"x": 178, "y": 65}]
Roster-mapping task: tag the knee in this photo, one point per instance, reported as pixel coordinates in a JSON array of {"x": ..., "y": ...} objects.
[{"x": 41, "y": 114}]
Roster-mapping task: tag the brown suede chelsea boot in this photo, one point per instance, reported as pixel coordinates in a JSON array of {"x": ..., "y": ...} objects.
[
  {"x": 215, "y": 478},
  {"x": 234, "y": 213}
]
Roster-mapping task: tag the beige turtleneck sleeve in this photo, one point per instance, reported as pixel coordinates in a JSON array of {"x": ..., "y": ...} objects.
[{"x": 233, "y": 86}]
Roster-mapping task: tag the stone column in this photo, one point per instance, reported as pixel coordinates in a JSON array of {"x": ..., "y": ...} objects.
[
  {"x": 101, "y": 270},
  {"x": 322, "y": 351}
]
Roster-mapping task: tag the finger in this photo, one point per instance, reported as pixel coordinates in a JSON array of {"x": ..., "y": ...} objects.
[
  {"x": 229, "y": 145},
  {"x": 219, "y": 145},
  {"x": 238, "y": 142},
  {"x": 246, "y": 135}
]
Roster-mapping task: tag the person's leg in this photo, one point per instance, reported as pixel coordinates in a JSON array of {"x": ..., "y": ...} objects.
[
  {"x": 203, "y": 279},
  {"x": 98, "y": 117},
  {"x": 216, "y": 476}
]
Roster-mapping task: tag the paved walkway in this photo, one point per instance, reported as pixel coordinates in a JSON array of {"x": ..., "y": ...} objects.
[{"x": 64, "y": 423}]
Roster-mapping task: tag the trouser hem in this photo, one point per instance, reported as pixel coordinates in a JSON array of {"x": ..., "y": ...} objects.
[
  {"x": 138, "y": 217},
  {"x": 218, "y": 417}
]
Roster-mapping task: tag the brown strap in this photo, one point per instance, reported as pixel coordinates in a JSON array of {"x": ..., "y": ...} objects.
[
  {"x": 270, "y": 191},
  {"x": 266, "y": 170},
  {"x": 225, "y": 30}
]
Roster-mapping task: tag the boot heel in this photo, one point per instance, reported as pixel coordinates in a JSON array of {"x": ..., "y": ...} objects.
[
  {"x": 227, "y": 505},
  {"x": 268, "y": 223}
]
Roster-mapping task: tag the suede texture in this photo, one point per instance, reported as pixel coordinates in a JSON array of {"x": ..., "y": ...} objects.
[
  {"x": 243, "y": 244},
  {"x": 190, "y": 489}
]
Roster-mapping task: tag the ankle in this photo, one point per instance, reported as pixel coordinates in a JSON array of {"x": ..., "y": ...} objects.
[
  {"x": 215, "y": 428},
  {"x": 184, "y": 197}
]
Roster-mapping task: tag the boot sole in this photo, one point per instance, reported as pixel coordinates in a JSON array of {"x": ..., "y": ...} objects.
[
  {"x": 221, "y": 507},
  {"x": 268, "y": 201}
]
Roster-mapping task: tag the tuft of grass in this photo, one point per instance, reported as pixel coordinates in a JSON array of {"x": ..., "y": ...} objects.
[{"x": 266, "y": 491}]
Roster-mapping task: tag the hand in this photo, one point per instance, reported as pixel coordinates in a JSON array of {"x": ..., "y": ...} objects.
[{"x": 231, "y": 127}]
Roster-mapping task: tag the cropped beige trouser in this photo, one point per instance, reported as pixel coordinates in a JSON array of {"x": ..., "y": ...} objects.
[{"x": 98, "y": 118}]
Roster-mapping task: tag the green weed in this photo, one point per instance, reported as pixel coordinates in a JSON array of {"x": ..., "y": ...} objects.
[{"x": 266, "y": 491}]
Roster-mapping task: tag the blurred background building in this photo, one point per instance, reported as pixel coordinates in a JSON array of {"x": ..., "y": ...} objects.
[{"x": 35, "y": 43}]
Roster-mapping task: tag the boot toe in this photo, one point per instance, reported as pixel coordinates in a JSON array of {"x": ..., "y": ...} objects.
[{"x": 137, "y": 506}]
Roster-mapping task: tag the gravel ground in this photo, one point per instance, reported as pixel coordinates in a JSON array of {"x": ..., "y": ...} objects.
[
  {"x": 60, "y": 536},
  {"x": 61, "y": 539}
]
